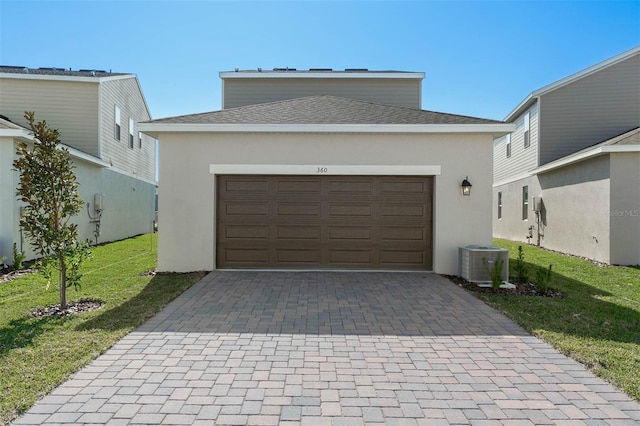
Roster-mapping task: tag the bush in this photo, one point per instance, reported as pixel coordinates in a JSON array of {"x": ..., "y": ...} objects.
[
  {"x": 520, "y": 268},
  {"x": 18, "y": 258},
  {"x": 494, "y": 268},
  {"x": 543, "y": 279}
]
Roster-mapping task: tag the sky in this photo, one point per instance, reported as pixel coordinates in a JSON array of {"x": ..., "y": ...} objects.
[{"x": 480, "y": 58}]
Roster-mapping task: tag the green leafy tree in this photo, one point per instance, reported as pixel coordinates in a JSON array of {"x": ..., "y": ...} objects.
[{"x": 49, "y": 190}]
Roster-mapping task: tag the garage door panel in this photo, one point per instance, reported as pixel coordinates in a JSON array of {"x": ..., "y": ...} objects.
[
  {"x": 350, "y": 233},
  {"x": 299, "y": 186},
  {"x": 336, "y": 222},
  {"x": 343, "y": 209},
  {"x": 298, "y": 256},
  {"x": 403, "y": 233},
  {"x": 301, "y": 232},
  {"x": 298, "y": 209}
]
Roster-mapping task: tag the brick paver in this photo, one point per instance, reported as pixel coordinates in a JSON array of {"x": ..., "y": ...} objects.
[{"x": 244, "y": 347}]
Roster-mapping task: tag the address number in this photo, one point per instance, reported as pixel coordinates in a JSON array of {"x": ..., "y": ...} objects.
[{"x": 321, "y": 170}]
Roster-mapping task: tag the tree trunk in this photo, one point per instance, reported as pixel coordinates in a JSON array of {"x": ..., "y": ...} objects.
[{"x": 63, "y": 282}]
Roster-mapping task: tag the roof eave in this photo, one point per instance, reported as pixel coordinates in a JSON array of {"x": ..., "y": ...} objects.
[
  {"x": 496, "y": 129},
  {"x": 572, "y": 159},
  {"x": 322, "y": 74}
]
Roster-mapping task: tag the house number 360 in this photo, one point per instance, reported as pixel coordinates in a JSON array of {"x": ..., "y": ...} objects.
[{"x": 321, "y": 170}]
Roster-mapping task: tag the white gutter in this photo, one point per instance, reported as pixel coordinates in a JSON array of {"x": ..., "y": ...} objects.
[
  {"x": 586, "y": 155},
  {"x": 497, "y": 129},
  {"x": 321, "y": 74}
]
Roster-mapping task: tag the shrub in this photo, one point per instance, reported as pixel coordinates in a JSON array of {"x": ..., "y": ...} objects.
[
  {"x": 494, "y": 268},
  {"x": 18, "y": 258},
  {"x": 543, "y": 279},
  {"x": 520, "y": 268}
]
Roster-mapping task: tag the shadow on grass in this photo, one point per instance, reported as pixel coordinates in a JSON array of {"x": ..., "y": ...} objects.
[
  {"x": 582, "y": 312},
  {"x": 160, "y": 290},
  {"x": 21, "y": 332}
]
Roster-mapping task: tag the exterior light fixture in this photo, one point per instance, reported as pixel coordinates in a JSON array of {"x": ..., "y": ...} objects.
[{"x": 466, "y": 186}]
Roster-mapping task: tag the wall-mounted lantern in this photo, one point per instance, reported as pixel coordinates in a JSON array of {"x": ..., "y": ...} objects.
[{"x": 466, "y": 186}]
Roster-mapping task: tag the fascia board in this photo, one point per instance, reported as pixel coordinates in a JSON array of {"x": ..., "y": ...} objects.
[
  {"x": 586, "y": 155},
  {"x": 16, "y": 133},
  {"x": 497, "y": 129},
  {"x": 48, "y": 77},
  {"x": 321, "y": 74}
]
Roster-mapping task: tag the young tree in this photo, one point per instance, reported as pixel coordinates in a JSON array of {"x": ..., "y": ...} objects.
[{"x": 49, "y": 189}]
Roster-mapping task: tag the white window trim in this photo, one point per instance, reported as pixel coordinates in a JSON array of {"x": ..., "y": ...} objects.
[
  {"x": 117, "y": 134},
  {"x": 527, "y": 133}
]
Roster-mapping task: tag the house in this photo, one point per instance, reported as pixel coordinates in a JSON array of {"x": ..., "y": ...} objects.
[
  {"x": 96, "y": 113},
  {"x": 322, "y": 169},
  {"x": 568, "y": 177}
]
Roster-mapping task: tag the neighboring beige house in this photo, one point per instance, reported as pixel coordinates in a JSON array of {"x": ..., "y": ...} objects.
[
  {"x": 568, "y": 177},
  {"x": 97, "y": 114},
  {"x": 290, "y": 176}
]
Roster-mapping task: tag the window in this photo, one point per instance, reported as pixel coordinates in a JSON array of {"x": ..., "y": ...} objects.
[
  {"x": 508, "y": 145},
  {"x": 527, "y": 140},
  {"x": 117, "y": 121},
  {"x": 140, "y": 140},
  {"x": 131, "y": 133},
  {"x": 525, "y": 202},
  {"x": 499, "y": 205}
]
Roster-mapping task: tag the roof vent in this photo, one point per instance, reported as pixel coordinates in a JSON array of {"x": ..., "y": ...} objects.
[
  {"x": 259, "y": 69},
  {"x": 356, "y": 69},
  {"x": 25, "y": 70},
  {"x": 284, "y": 69},
  {"x": 320, "y": 69},
  {"x": 237, "y": 69}
]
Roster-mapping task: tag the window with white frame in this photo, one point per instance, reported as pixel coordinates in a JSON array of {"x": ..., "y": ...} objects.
[
  {"x": 525, "y": 202},
  {"x": 131, "y": 133},
  {"x": 527, "y": 135},
  {"x": 117, "y": 121},
  {"x": 500, "y": 205},
  {"x": 509, "y": 145},
  {"x": 140, "y": 140}
]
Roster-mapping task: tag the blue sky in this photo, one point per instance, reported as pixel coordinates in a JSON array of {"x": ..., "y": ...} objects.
[{"x": 481, "y": 58}]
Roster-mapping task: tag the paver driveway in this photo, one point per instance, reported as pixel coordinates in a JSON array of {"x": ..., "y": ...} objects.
[{"x": 331, "y": 348}]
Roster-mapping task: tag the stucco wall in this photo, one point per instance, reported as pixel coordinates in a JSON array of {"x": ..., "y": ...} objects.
[
  {"x": 129, "y": 203},
  {"x": 187, "y": 190},
  {"x": 576, "y": 200},
  {"x": 624, "y": 212},
  {"x": 511, "y": 226}
]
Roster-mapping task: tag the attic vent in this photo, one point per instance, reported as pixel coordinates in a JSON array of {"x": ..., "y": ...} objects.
[{"x": 356, "y": 69}]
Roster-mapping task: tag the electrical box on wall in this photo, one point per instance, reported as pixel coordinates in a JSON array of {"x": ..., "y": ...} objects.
[
  {"x": 537, "y": 204},
  {"x": 98, "y": 203}
]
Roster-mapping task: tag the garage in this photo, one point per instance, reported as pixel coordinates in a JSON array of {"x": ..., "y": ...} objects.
[{"x": 324, "y": 222}]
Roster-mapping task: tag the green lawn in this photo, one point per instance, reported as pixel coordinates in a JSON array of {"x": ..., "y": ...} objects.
[
  {"x": 597, "y": 322},
  {"x": 38, "y": 354}
]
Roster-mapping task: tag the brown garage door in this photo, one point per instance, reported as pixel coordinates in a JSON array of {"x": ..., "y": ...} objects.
[{"x": 324, "y": 222}]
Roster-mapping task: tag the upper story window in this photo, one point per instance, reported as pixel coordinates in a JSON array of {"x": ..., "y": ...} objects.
[
  {"x": 140, "y": 140},
  {"x": 500, "y": 205},
  {"x": 117, "y": 121},
  {"x": 527, "y": 133},
  {"x": 525, "y": 202},
  {"x": 508, "y": 145},
  {"x": 131, "y": 133}
]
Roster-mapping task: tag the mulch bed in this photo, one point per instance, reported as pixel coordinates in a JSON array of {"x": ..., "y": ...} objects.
[
  {"x": 6, "y": 275},
  {"x": 521, "y": 289},
  {"x": 75, "y": 307}
]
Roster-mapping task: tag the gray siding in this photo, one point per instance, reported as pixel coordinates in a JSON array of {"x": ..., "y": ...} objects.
[
  {"x": 249, "y": 91},
  {"x": 71, "y": 107},
  {"x": 590, "y": 110},
  {"x": 126, "y": 94},
  {"x": 511, "y": 226},
  {"x": 522, "y": 159}
]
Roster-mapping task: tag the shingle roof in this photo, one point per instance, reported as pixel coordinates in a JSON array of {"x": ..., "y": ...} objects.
[
  {"x": 323, "y": 109},
  {"x": 12, "y": 69}
]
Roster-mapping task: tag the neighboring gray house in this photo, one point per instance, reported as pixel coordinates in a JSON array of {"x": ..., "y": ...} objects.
[
  {"x": 568, "y": 177},
  {"x": 97, "y": 114},
  {"x": 322, "y": 169}
]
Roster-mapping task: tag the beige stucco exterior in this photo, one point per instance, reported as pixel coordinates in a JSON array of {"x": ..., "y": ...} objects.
[{"x": 187, "y": 184}]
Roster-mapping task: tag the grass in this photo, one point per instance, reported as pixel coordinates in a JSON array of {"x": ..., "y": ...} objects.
[
  {"x": 38, "y": 354},
  {"x": 597, "y": 322}
]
